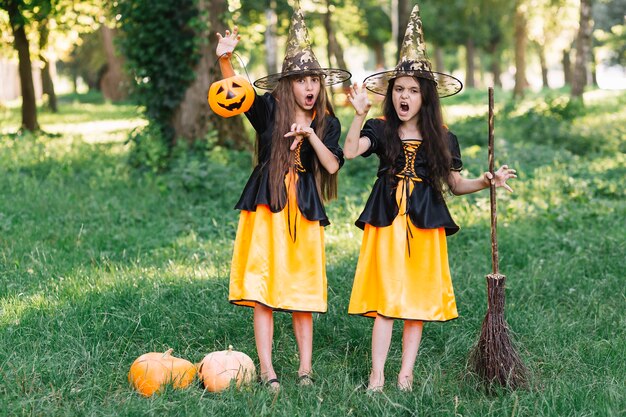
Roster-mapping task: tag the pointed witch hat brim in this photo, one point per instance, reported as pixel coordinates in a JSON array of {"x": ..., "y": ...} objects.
[
  {"x": 300, "y": 59},
  {"x": 415, "y": 63}
]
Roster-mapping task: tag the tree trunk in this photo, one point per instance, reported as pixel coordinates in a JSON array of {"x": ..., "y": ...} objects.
[
  {"x": 583, "y": 50},
  {"x": 334, "y": 48},
  {"x": 404, "y": 12},
  {"x": 541, "y": 51},
  {"x": 470, "y": 81},
  {"x": 193, "y": 119},
  {"x": 20, "y": 43},
  {"x": 567, "y": 67},
  {"x": 439, "y": 66},
  {"x": 114, "y": 83},
  {"x": 521, "y": 36},
  {"x": 329, "y": 45},
  {"x": 594, "y": 74},
  {"x": 271, "y": 41},
  {"x": 47, "y": 84},
  {"x": 379, "y": 54},
  {"x": 341, "y": 62},
  {"x": 494, "y": 56}
]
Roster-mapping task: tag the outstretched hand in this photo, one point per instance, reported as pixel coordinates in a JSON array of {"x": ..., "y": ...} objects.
[
  {"x": 500, "y": 177},
  {"x": 358, "y": 97},
  {"x": 226, "y": 44},
  {"x": 299, "y": 132}
]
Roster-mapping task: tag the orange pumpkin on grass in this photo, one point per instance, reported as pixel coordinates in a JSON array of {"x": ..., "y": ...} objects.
[
  {"x": 151, "y": 371},
  {"x": 219, "y": 369},
  {"x": 231, "y": 96}
]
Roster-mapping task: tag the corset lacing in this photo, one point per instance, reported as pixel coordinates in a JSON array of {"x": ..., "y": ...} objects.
[
  {"x": 291, "y": 181},
  {"x": 407, "y": 178},
  {"x": 296, "y": 158}
]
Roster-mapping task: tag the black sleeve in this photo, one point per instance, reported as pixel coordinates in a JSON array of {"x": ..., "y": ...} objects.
[
  {"x": 260, "y": 112},
  {"x": 331, "y": 139},
  {"x": 455, "y": 151},
  {"x": 373, "y": 130}
]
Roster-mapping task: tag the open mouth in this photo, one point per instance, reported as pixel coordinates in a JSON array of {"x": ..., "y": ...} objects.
[
  {"x": 309, "y": 99},
  {"x": 404, "y": 107}
]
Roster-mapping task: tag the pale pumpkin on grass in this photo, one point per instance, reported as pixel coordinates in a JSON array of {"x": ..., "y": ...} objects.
[{"x": 219, "y": 369}]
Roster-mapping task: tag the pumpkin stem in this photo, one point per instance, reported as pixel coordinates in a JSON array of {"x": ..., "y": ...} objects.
[{"x": 168, "y": 352}]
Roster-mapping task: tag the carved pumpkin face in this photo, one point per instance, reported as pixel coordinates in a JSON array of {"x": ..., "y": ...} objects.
[
  {"x": 219, "y": 369},
  {"x": 151, "y": 371},
  {"x": 231, "y": 96}
]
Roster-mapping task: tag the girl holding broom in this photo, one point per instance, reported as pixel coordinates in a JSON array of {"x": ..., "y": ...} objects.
[
  {"x": 403, "y": 271},
  {"x": 278, "y": 260}
]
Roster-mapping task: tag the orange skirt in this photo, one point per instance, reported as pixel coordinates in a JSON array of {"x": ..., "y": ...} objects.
[
  {"x": 403, "y": 272},
  {"x": 280, "y": 268}
]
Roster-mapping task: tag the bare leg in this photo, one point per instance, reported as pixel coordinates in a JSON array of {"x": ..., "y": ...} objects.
[
  {"x": 303, "y": 329},
  {"x": 411, "y": 338},
  {"x": 381, "y": 340},
  {"x": 264, "y": 336}
]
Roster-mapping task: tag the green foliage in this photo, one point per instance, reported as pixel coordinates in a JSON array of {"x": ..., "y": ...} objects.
[
  {"x": 552, "y": 119},
  {"x": 161, "y": 44},
  {"x": 150, "y": 150},
  {"x": 196, "y": 166}
]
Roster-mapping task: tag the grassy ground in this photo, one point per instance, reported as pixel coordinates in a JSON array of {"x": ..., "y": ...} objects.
[{"x": 100, "y": 263}]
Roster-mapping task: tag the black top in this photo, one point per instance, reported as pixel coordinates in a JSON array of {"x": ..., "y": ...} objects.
[
  {"x": 426, "y": 207},
  {"x": 257, "y": 191}
]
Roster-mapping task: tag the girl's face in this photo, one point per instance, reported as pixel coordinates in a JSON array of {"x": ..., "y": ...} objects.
[
  {"x": 406, "y": 97},
  {"x": 305, "y": 90}
]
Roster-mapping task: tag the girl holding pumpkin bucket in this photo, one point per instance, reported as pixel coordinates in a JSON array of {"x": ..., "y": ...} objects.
[
  {"x": 278, "y": 260},
  {"x": 403, "y": 271}
]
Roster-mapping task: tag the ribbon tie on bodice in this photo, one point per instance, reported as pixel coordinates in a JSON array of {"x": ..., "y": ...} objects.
[
  {"x": 407, "y": 179},
  {"x": 292, "y": 196}
]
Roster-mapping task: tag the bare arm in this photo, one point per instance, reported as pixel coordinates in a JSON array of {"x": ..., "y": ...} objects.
[
  {"x": 225, "y": 46},
  {"x": 459, "y": 185},
  {"x": 356, "y": 145}
]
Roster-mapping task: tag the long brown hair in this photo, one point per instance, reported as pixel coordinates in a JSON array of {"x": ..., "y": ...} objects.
[
  {"x": 282, "y": 158},
  {"x": 434, "y": 134}
]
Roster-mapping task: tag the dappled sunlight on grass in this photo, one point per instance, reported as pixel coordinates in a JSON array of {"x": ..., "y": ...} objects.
[
  {"x": 455, "y": 112},
  {"x": 98, "y": 131},
  {"x": 12, "y": 308}
]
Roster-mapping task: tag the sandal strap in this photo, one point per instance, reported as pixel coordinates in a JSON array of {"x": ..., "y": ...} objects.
[{"x": 306, "y": 377}]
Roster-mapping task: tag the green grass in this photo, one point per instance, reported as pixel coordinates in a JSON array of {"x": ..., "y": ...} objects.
[{"x": 100, "y": 263}]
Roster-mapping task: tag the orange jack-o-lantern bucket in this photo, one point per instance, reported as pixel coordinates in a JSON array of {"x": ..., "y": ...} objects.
[{"x": 231, "y": 96}]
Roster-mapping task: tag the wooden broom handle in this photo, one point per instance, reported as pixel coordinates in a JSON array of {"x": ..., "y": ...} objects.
[{"x": 492, "y": 192}]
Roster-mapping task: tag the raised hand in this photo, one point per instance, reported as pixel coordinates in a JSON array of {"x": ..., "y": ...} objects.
[
  {"x": 226, "y": 44},
  {"x": 358, "y": 97},
  {"x": 299, "y": 132},
  {"x": 501, "y": 176}
]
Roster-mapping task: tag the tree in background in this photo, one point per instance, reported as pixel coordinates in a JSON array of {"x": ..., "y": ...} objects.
[
  {"x": 551, "y": 24},
  {"x": 47, "y": 83},
  {"x": 583, "y": 50},
  {"x": 192, "y": 118},
  {"x": 521, "y": 40},
  {"x": 403, "y": 14},
  {"x": 18, "y": 21},
  {"x": 610, "y": 29},
  {"x": 377, "y": 32}
]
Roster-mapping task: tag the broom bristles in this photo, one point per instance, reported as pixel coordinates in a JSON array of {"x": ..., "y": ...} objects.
[{"x": 495, "y": 358}]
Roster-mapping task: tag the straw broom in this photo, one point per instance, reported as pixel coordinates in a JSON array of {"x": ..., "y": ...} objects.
[{"x": 495, "y": 358}]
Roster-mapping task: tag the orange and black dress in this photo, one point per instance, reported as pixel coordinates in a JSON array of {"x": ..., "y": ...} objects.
[
  {"x": 278, "y": 258},
  {"x": 403, "y": 269}
]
